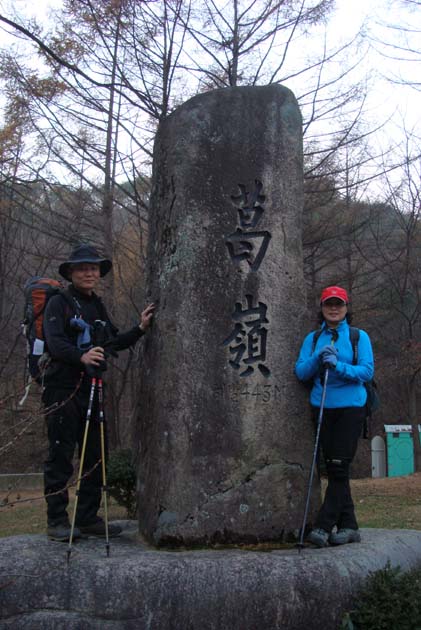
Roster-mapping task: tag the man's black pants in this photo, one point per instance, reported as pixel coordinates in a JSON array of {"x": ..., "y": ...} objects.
[
  {"x": 66, "y": 412},
  {"x": 340, "y": 431}
]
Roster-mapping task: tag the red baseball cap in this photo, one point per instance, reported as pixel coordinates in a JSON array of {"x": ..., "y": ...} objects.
[{"x": 334, "y": 292}]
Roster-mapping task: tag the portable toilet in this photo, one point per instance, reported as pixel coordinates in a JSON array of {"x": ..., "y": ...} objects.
[{"x": 400, "y": 450}]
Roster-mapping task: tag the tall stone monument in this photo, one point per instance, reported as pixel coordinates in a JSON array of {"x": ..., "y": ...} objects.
[{"x": 224, "y": 430}]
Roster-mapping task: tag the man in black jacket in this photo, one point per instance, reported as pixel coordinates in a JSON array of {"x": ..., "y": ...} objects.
[{"x": 67, "y": 384}]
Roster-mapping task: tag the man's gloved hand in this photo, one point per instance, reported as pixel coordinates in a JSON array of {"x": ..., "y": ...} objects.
[{"x": 328, "y": 356}]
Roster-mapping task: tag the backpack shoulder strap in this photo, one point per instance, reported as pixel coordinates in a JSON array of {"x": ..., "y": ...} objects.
[
  {"x": 316, "y": 335},
  {"x": 71, "y": 302},
  {"x": 104, "y": 314},
  {"x": 354, "y": 337},
  {"x": 101, "y": 308}
]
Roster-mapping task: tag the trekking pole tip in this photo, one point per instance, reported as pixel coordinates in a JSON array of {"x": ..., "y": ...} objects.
[{"x": 108, "y": 550}]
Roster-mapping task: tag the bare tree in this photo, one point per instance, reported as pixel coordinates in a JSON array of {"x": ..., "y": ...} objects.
[
  {"x": 390, "y": 250},
  {"x": 397, "y": 40},
  {"x": 110, "y": 71}
]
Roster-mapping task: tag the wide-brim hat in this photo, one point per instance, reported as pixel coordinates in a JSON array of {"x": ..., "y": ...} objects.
[{"x": 85, "y": 254}]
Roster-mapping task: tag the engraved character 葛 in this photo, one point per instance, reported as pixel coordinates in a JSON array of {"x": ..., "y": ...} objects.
[{"x": 247, "y": 243}]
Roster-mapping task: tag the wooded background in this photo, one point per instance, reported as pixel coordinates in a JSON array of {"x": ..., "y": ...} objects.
[{"x": 83, "y": 93}]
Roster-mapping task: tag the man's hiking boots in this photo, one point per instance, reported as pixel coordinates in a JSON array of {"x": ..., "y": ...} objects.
[
  {"x": 61, "y": 531},
  {"x": 97, "y": 529}
]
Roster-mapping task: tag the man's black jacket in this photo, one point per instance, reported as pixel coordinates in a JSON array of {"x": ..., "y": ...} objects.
[{"x": 66, "y": 369}]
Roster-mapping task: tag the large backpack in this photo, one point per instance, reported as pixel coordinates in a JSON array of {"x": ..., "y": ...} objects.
[
  {"x": 37, "y": 291},
  {"x": 373, "y": 399}
]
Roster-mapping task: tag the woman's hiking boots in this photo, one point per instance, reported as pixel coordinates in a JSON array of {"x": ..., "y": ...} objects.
[
  {"x": 321, "y": 538},
  {"x": 345, "y": 536}
]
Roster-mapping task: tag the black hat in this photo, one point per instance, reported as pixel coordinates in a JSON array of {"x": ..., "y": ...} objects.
[{"x": 85, "y": 254}]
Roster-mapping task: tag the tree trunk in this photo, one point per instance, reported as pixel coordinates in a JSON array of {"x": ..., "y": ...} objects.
[
  {"x": 412, "y": 407},
  {"x": 107, "y": 212}
]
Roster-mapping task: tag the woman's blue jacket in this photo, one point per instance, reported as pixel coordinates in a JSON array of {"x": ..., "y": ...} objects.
[{"x": 345, "y": 385}]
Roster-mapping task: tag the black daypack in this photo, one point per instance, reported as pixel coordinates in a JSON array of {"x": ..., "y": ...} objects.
[
  {"x": 37, "y": 291},
  {"x": 373, "y": 399}
]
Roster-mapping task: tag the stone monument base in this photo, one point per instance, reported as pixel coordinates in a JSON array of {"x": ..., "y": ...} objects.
[{"x": 140, "y": 588}]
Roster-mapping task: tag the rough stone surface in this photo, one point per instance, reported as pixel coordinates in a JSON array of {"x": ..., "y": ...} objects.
[
  {"x": 138, "y": 588},
  {"x": 226, "y": 439}
]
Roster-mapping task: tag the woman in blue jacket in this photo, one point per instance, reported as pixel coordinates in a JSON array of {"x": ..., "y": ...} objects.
[{"x": 343, "y": 414}]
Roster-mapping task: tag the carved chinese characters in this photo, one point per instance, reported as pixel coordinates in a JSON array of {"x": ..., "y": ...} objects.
[{"x": 247, "y": 341}]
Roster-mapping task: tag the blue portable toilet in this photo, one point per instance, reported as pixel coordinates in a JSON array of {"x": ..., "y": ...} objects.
[{"x": 400, "y": 450}]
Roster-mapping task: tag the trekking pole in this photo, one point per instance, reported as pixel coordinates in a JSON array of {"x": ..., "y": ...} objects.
[
  {"x": 103, "y": 463},
  {"x": 82, "y": 459},
  {"x": 300, "y": 544}
]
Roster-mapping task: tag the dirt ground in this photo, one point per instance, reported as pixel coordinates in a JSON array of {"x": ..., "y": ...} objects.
[
  {"x": 24, "y": 511},
  {"x": 390, "y": 503},
  {"x": 407, "y": 486}
]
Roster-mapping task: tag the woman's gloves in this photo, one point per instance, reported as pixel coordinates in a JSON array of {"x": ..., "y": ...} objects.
[{"x": 328, "y": 356}]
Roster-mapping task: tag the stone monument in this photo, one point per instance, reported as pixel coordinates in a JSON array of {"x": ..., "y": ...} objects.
[{"x": 225, "y": 438}]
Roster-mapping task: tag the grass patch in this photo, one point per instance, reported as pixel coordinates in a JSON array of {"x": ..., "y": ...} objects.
[
  {"x": 389, "y": 512},
  {"x": 391, "y": 503},
  {"x": 26, "y": 512}
]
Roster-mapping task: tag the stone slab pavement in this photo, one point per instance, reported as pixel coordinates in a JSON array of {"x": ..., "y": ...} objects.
[{"x": 142, "y": 588}]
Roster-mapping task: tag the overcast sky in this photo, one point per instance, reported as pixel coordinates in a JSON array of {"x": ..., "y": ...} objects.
[{"x": 382, "y": 19}]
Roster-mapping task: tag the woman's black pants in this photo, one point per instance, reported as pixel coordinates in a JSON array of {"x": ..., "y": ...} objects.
[{"x": 339, "y": 434}]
